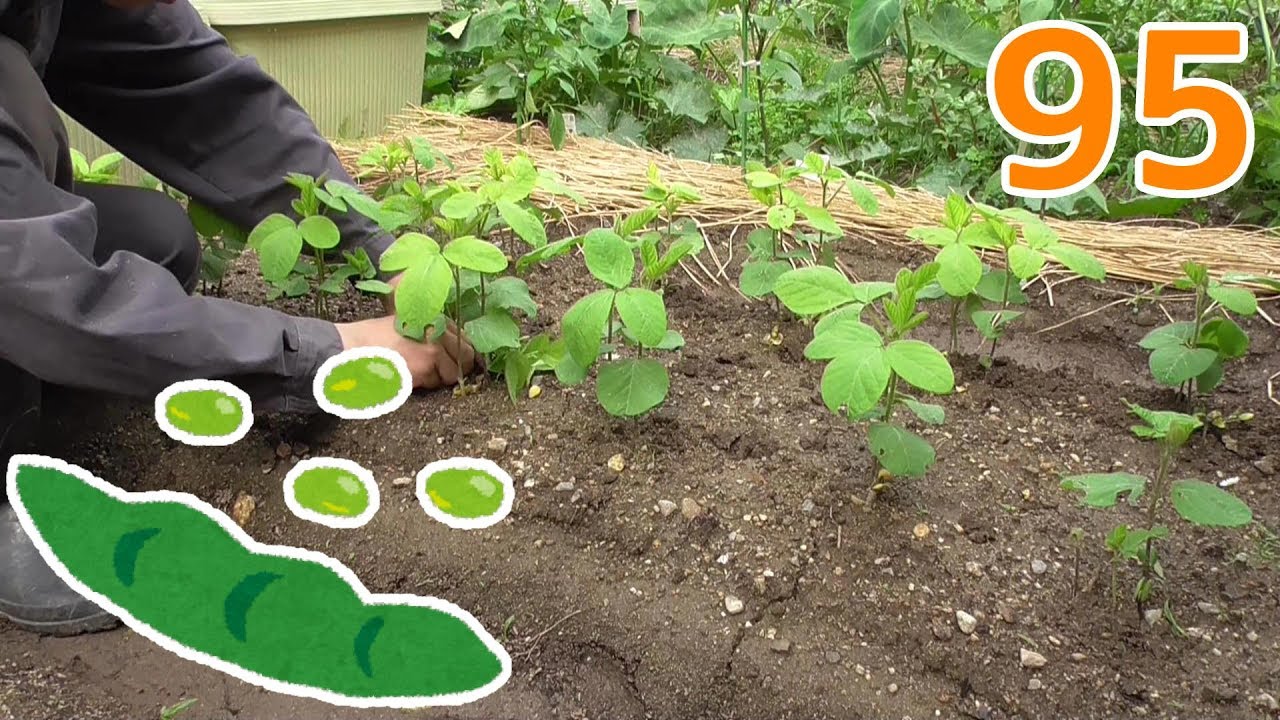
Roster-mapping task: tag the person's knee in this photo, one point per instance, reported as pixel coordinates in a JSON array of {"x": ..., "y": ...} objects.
[{"x": 147, "y": 223}]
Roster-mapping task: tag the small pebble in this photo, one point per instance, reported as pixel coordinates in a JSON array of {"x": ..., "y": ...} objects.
[
  {"x": 921, "y": 531},
  {"x": 617, "y": 463},
  {"x": 1034, "y": 684},
  {"x": 781, "y": 646},
  {"x": 893, "y": 688},
  {"x": 1032, "y": 659},
  {"x": 1208, "y": 608},
  {"x": 1152, "y": 616},
  {"x": 1039, "y": 567},
  {"x": 535, "y": 392},
  {"x": 498, "y": 444},
  {"x": 566, "y": 486},
  {"x": 1251, "y": 636},
  {"x": 966, "y": 622},
  {"x": 833, "y": 657},
  {"x": 733, "y": 605},
  {"x": 1078, "y": 657},
  {"x": 402, "y": 482},
  {"x": 1268, "y": 701},
  {"x": 973, "y": 568},
  {"x": 666, "y": 507},
  {"x": 690, "y": 509}
]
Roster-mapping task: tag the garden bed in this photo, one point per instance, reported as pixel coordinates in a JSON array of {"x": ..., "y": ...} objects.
[{"x": 740, "y": 489}]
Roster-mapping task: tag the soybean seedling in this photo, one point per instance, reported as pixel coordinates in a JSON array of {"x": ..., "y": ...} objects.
[
  {"x": 398, "y": 162},
  {"x": 1197, "y": 502},
  {"x": 832, "y": 179},
  {"x": 625, "y": 387},
  {"x": 871, "y": 369},
  {"x": 1190, "y": 355},
  {"x": 103, "y": 170},
  {"x": 177, "y": 710},
  {"x": 222, "y": 242},
  {"x": 673, "y": 239}
]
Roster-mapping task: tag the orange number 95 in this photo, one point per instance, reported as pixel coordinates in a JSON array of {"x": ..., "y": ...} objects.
[{"x": 1089, "y": 122}]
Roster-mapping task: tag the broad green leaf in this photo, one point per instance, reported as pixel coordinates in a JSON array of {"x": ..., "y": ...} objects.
[
  {"x": 550, "y": 251},
  {"x": 688, "y": 98},
  {"x": 781, "y": 217},
  {"x": 934, "y": 236},
  {"x": 1208, "y": 505},
  {"x": 852, "y": 312},
  {"x": 845, "y": 336},
  {"x": 930, "y": 414},
  {"x": 902, "y": 453},
  {"x": 1158, "y": 421},
  {"x": 278, "y": 243},
  {"x": 814, "y": 290},
  {"x": 762, "y": 179},
  {"x": 1223, "y": 335},
  {"x": 558, "y": 131},
  {"x": 760, "y": 277},
  {"x": 959, "y": 270},
  {"x": 856, "y": 381},
  {"x": 870, "y": 23},
  {"x": 683, "y": 23},
  {"x": 1179, "y": 333},
  {"x": 980, "y": 235},
  {"x": 569, "y": 372},
  {"x": 991, "y": 323},
  {"x": 820, "y": 219},
  {"x": 1104, "y": 490},
  {"x": 1238, "y": 300},
  {"x": 605, "y": 27},
  {"x": 512, "y": 294},
  {"x": 472, "y": 253},
  {"x": 461, "y": 205},
  {"x": 1175, "y": 364},
  {"x": 992, "y": 288},
  {"x": 644, "y": 314},
  {"x": 523, "y": 223},
  {"x": 584, "y": 326},
  {"x": 1209, "y": 380},
  {"x": 951, "y": 30},
  {"x": 517, "y": 370},
  {"x": 671, "y": 341},
  {"x": 1078, "y": 261},
  {"x": 921, "y": 365},
  {"x": 410, "y": 249},
  {"x": 609, "y": 258},
  {"x": 320, "y": 232},
  {"x": 1025, "y": 262},
  {"x": 493, "y": 331},
  {"x": 864, "y": 198},
  {"x": 422, "y": 292},
  {"x": 627, "y": 388},
  {"x": 1030, "y": 11},
  {"x": 374, "y": 287},
  {"x": 869, "y": 292}
]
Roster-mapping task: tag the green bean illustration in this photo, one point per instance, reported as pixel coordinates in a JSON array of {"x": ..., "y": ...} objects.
[
  {"x": 465, "y": 493},
  {"x": 290, "y": 620},
  {"x": 204, "y": 413},
  {"x": 363, "y": 383},
  {"x": 333, "y": 492}
]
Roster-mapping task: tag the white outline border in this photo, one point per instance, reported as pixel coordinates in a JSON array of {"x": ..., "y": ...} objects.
[
  {"x": 162, "y": 416},
  {"x": 466, "y": 463},
  {"x": 360, "y": 353},
  {"x": 1072, "y": 138},
  {"x": 364, "y": 475},
  {"x": 1180, "y": 82},
  {"x": 276, "y": 686}
]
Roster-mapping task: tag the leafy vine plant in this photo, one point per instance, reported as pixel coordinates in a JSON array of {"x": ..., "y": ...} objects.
[{"x": 874, "y": 365}]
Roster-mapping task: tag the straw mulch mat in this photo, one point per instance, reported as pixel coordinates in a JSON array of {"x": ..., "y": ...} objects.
[{"x": 611, "y": 178}]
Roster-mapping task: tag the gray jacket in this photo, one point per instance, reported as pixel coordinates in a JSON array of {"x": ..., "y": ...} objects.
[{"x": 166, "y": 90}]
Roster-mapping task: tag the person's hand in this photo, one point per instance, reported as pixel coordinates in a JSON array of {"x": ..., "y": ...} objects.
[{"x": 432, "y": 364}]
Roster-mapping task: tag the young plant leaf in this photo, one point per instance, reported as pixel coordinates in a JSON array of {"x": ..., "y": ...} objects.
[
  {"x": 930, "y": 414},
  {"x": 1238, "y": 300},
  {"x": 1209, "y": 380},
  {"x": 644, "y": 314},
  {"x": 851, "y": 312},
  {"x": 1208, "y": 505},
  {"x": 517, "y": 369},
  {"x": 959, "y": 269},
  {"x": 1025, "y": 262},
  {"x": 320, "y": 232},
  {"x": 1226, "y": 337},
  {"x": 1104, "y": 490},
  {"x": 1078, "y": 261},
  {"x": 461, "y": 205},
  {"x": 781, "y": 217},
  {"x": 814, "y": 290},
  {"x": 1158, "y": 422},
  {"x": 992, "y": 288},
  {"x": 901, "y": 452},
  {"x": 512, "y": 294},
  {"x": 1179, "y": 333},
  {"x": 584, "y": 327},
  {"x": 820, "y": 219},
  {"x": 523, "y": 223},
  {"x": 921, "y": 365},
  {"x": 846, "y": 335},
  {"x": 409, "y": 250},
  {"x": 547, "y": 252},
  {"x": 278, "y": 243},
  {"x": 856, "y": 381},
  {"x": 609, "y": 258},
  {"x": 627, "y": 388},
  {"x": 1175, "y": 364},
  {"x": 760, "y": 277},
  {"x": 421, "y": 294},
  {"x": 472, "y": 253},
  {"x": 493, "y": 331}
]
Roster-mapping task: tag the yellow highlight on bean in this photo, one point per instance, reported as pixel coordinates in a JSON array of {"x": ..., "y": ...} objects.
[{"x": 344, "y": 385}]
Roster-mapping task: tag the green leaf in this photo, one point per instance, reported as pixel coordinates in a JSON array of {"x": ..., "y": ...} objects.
[
  {"x": 991, "y": 324},
  {"x": 1223, "y": 335},
  {"x": 584, "y": 326},
  {"x": 1179, "y": 333},
  {"x": 671, "y": 341},
  {"x": 558, "y": 131},
  {"x": 410, "y": 249},
  {"x": 1025, "y": 262},
  {"x": 830, "y": 320},
  {"x": 569, "y": 372},
  {"x": 684, "y": 23},
  {"x": 688, "y": 98},
  {"x": 959, "y": 270},
  {"x": 1175, "y": 364},
  {"x": 605, "y": 27},
  {"x": 1158, "y": 421},
  {"x": 933, "y": 236},
  {"x": 902, "y": 453},
  {"x": 374, "y": 287},
  {"x": 930, "y": 414},
  {"x": 1030, "y": 11},
  {"x": 864, "y": 198},
  {"x": 472, "y": 253},
  {"x": 820, "y": 219},
  {"x": 493, "y": 331},
  {"x": 512, "y": 294},
  {"x": 609, "y": 258},
  {"x": 1104, "y": 490},
  {"x": 760, "y": 277},
  {"x": 517, "y": 369},
  {"x": 461, "y": 205},
  {"x": 856, "y": 381},
  {"x": 992, "y": 288},
  {"x": 523, "y": 223},
  {"x": 1238, "y": 300},
  {"x": 278, "y": 243},
  {"x": 627, "y": 388},
  {"x": 1208, "y": 505},
  {"x": 644, "y": 314},
  {"x": 814, "y": 290},
  {"x": 320, "y": 232},
  {"x": 1209, "y": 380},
  {"x": 870, "y": 23},
  {"x": 921, "y": 365},
  {"x": 421, "y": 294},
  {"x": 951, "y": 30},
  {"x": 846, "y": 335},
  {"x": 1078, "y": 261},
  {"x": 550, "y": 251},
  {"x": 762, "y": 179},
  {"x": 781, "y": 217}
]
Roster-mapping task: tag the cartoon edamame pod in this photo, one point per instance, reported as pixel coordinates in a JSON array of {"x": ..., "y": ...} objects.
[{"x": 293, "y": 621}]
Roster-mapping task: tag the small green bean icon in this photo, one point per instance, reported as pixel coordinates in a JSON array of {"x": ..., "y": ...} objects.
[
  {"x": 363, "y": 383},
  {"x": 465, "y": 493},
  {"x": 204, "y": 413},
  {"x": 333, "y": 492}
]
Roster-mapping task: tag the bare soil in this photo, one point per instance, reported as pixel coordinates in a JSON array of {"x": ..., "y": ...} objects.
[{"x": 617, "y": 610}]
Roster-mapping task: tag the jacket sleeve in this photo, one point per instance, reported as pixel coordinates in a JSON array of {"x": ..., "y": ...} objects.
[
  {"x": 128, "y": 326},
  {"x": 166, "y": 90}
]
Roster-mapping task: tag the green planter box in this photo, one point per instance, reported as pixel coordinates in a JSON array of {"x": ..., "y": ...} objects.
[{"x": 351, "y": 64}]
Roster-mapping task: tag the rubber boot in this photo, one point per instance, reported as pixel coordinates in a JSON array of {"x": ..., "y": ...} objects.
[{"x": 31, "y": 594}]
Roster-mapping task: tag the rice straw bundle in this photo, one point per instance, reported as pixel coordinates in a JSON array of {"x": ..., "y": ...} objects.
[{"x": 611, "y": 178}]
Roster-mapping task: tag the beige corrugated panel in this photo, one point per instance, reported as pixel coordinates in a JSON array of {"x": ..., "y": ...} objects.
[{"x": 350, "y": 64}]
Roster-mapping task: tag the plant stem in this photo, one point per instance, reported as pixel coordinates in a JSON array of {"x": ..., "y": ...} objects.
[
  {"x": 457, "y": 320},
  {"x": 483, "y": 295},
  {"x": 745, "y": 40},
  {"x": 1004, "y": 305},
  {"x": 955, "y": 322},
  {"x": 320, "y": 306},
  {"x": 908, "y": 52},
  {"x": 891, "y": 400},
  {"x": 1189, "y": 391}
]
